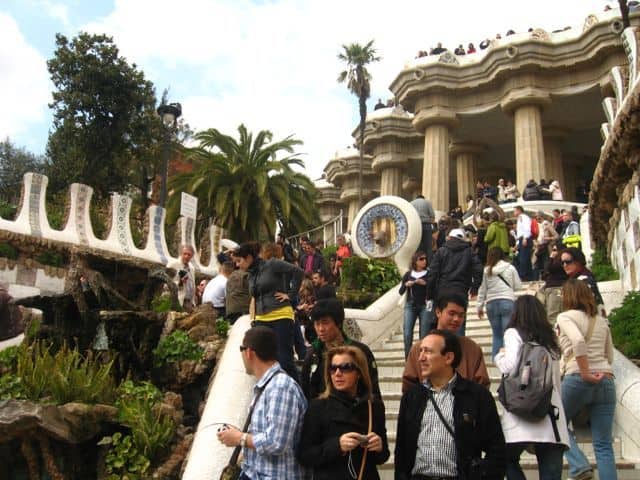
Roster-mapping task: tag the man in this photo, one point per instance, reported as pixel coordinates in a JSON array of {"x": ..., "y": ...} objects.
[
  {"x": 502, "y": 193},
  {"x": 185, "y": 278},
  {"x": 450, "y": 309},
  {"x": 328, "y": 316},
  {"x": 558, "y": 220},
  {"x": 321, "y": 285},
  {"x": 216, "y": 290},
  {"x": 427, "y": 217},
  {"x": 571, "y": 233},
  {"x": 237, "y": 298},
  {"x": 525, "y": 243},
  {"x": 446, "y": 423},
  {"x": 276, "y": 420},
  {"x": 311, "y": 260},
  {"x": 455, "y": 267}
]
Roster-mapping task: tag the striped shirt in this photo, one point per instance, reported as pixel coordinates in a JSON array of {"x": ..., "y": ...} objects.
[
  {"x": 436, "y": 451},
  {"x": 275, "y": 428}
]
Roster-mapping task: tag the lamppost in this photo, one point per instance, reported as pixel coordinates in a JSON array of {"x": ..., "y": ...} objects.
[{"x": 169, "y": 114}]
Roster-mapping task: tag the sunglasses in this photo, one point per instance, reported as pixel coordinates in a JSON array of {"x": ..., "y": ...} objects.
[
  {"x": 243, "y": 348},
  {"x": 422, "y": 258},
  {"x": 566, "y": 262},
  {"x": 343, "y": 367}
]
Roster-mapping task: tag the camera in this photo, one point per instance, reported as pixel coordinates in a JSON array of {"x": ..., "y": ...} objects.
[
  {"x": 182, "y": 273},
  {"x": 364, "y": 440}
]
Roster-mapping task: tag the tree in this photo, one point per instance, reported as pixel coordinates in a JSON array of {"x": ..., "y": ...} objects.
[
  {"x": 358, "y": 82},
  {"x": 246, "y": 185},
  {"x": 624, "y": 12},
  {"x": 14, "y": 163},
  {"x": 106, "y": 132}
]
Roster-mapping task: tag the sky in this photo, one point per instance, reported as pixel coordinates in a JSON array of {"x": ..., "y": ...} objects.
[{"x": 270, "y": 64}]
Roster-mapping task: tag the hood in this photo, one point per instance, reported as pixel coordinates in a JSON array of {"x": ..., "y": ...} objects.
[
  {"x": 531, "y": 184},
  {"x": 499, "y": 267},
  {"x": 456, "y": 244},
  {"x": 500, "y": 225}
]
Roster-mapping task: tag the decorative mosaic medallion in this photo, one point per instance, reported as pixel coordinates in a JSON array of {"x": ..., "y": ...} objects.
[{"x": 381, "y": 230}]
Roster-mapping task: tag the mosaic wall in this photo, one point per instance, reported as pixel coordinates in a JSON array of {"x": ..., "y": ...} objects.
[{"x": 625, "y": 248}]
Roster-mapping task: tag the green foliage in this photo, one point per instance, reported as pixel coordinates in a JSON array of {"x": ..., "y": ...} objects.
[
  {"x": 14, "y": 163},
  {"x": 8, "y": 251},
  {"x": 162, "y": 304},
  {"x": 55, "y": 206},
  {"x": 144, "y": 391},
  {"x": 63, "y": 377},
  {"x": 8, "y": 210},
  {"x": 327, "y": 252},
  {"x": 152, "y": 430},
  {"x": 124, "y": 460},
  {"x": 625, "y": 325},
  {"x": 105, "y": 129},
  {"x": 601, "y": 267},
  {"x": 9, "y": 359},
  {"x": 222, "y": 327},
  {"x": 11, "y": 387},
  {"x": 248, "y": 184},
  {"x": 369, "y": 275},
  {"x": 51, "y": 257},
  {"x": 175, "y": 347}
]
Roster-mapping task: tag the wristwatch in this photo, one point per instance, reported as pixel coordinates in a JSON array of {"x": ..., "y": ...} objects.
[{"x": 243, "y": 440}]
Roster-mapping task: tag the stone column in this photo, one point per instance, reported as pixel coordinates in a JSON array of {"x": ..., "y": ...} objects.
[
  {"x": 526, "y": 105},
  {"x": 436, "y": 123},
  {"x": 466, "y": 161},
  {"x": 391, "y": 181},
  {"x": 553, "y": 156}
]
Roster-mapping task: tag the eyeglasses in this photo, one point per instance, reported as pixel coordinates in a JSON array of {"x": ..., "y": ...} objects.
[
  {"x": 566, "y": 262},
  {"x": 422, "y": 258},
  {"x": 343, "y": 367},
  {"x": 243, "y": 348}
]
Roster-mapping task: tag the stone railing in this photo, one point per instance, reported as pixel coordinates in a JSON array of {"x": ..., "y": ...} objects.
[{"x": 32, "y": 222}]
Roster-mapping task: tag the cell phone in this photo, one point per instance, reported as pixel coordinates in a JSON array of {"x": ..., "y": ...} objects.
[{"x": 364, "y": 440}]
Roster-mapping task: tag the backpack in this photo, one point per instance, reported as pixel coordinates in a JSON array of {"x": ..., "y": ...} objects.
[
  {"x": 527, "y": 390},
  {"x": 535, "y": 228}
]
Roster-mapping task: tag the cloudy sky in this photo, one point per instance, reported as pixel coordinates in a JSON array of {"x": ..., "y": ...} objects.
[{"x": 268, "y": 63}]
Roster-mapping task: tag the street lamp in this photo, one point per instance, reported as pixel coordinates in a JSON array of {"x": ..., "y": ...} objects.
[{"x": 169, "y": 114}]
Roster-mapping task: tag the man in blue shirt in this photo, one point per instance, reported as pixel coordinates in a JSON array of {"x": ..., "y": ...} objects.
[{"x": 273, "y": 435}]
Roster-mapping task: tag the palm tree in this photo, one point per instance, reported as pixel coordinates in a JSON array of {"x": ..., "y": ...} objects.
[
  {"x": 244, "y": 186},
  {"x": 358, "y": 82},
  {"x": 624, "y": 12}
]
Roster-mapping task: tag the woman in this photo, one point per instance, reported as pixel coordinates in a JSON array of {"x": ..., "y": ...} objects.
[
  {"x": 587, "y": 351},
  {"x": 497, "y": 291},
  {"x": 574, "y": 264},
  {"x": 530, "y": 324},
  {"x": 306, "y": 300},
  {"x": 415, "y": 285},
  {"x": 338, "y": 429},
  {"x": 497, "y": 234},
  {"x": 273, "y": 284},
  {"x": 554, "y": 277}
]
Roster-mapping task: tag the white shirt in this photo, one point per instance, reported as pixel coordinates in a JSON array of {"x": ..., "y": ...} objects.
[
  {"x": 215, "y": 291},
  {"x": 523, "y": 229}
]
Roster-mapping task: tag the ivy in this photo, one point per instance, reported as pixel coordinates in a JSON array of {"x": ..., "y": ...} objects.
[
  {"x": 175, "y": 347},
  {"x": 625, "y": 325},
  {"x": 601, "y": 267},
  {"x": 124, "y": 459},
  {"x": 222, "y": 327}
]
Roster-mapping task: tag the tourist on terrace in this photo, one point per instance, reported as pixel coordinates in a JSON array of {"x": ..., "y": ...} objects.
[
  {"x": 555, "y": 191},
  {"x": 489, "y": 191},
  {"x": 531, "y": 191},
  {"x": 525, "y": 243},
  {"x": 273, "y": 284},
  {"x": 344, "y": 432},
  {"x": 510, "y": 32},
  {"x": 185, "y": 278},
  {"x": 415, "y": 286},
  {"x": 548, "y": 436},
  {"x": 379, "y": 105},
  {"x": 497, "y": 293},
  {"x": 543, "y": 190},
  {"x": 459, "y": 50},
  {"x": 216, "y": 290},
  {"x": 484, "y": 44},
  {"x": 438, "y": 50},
  {"x": 502, "y": 195},
  {"x": 511, "y": 192},
  {"x": 587, "y": 351},
  {"x": 471, "y": 48}
]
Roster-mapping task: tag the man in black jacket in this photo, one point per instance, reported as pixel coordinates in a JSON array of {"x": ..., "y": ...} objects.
[
  {"x": 455, "y": 268},
  {"x": 328, "y": 316},
  {"x": 447, "y": 423},
  {"x": 311, "y": 259}
]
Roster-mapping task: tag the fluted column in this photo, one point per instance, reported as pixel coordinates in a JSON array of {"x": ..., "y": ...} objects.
[
  {"x": 526, "y": 105},
  {"x": 354, "y": 208},
  {"x": 553, "y": 156},
  {"x": 391, "y": 181},
  {"x": 466, "y": 161},
  {"x": 436, "y": 123}
]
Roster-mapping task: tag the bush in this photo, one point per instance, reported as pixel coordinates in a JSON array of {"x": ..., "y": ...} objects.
[
  {"x": 8, "y": 251},
  {"x": 625, "y": 325},
  {"x": 369, "y": 275},
  {"x": 175, "y": 347},
  {"x": 51, "y": 257},
  {"x": 162, "y": 304},
  {"x": 222, "y": 327},
  {"x": 327, "y": 252},
  {"x": 124, "y": 460},
  {"x": 601, "y": 267},
  {"x": 8, "y": 210}
]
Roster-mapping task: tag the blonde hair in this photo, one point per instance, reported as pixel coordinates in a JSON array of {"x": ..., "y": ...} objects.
[
  {"x": 271, "y": 250},
  {"x": 364, "y": 382},
  {"x": 576, "y": 295}
]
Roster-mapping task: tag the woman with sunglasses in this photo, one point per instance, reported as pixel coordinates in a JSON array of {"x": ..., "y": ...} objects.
[
  {"x": 574, "y": 264},
  {"x": 414, "y": 284},
  {"x": 344, "y": 422}
]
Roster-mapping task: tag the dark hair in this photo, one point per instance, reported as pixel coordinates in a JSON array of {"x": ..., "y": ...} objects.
[
  {"x": 450, "y": 296},
  {"x": 322, "y": 273},
  {"x": 494, "y": 255},
  {"x": 328, "y": 307},
  {"x": 518, "y": 207},
  {"x": 263, "y": 341},
  {"x": 227, "y": 267},
  {"x": 420, "y": 196},
  {"x": 451, "y": 344},
  {"x": 248, "y": 248},
  {"x": 415, "y": 257},
  {"x": 576, "y": 295},
  {"x": 576, "y": 255},
  {"x": 530, "y": 320}
]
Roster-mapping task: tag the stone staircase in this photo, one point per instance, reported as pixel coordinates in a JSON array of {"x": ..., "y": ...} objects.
[{"x": 390, "y": 359}]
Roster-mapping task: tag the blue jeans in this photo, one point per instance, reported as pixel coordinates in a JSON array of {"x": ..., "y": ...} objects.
[
  {"x": 549, "y": 456},
  {"x": 411, "y": 313},
  {"x": 499, "y": 313},
  {"x": 524, "y": 260},
  {"x": 284, "y": 330},
  {"x": 600, "y": 399}
]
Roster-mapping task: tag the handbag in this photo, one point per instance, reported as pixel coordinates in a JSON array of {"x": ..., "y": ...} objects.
[
  {"x": 232, "y": 470},
  {"x": 364, "y": 455}
]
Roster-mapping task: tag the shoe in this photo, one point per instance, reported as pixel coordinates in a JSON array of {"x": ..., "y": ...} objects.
[{"x": 584, "y": 475}]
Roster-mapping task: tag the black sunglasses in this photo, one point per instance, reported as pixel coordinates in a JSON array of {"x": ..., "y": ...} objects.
[
  {"x": 422, "y": 258},
  {"x": 243, "y": 348},
  {"x": 343, "y": 367},
  {"x": 566, "y": 262}
]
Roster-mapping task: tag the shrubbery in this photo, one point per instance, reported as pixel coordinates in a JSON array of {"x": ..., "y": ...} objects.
[
  {"x": 175, "y": 347},
  {"x": 363, "y": 280},
  {"x": 625, "y": 325},
  {"x": 601, "y": 267}
]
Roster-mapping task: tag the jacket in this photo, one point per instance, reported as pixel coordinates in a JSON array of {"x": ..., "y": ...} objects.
[
  {"x": 325, "y": 421},
  {"x": 312, "y": 377},
  {"x": 318, "y": 261},
  {"x": 531, "y": 192},
  {"x": 237, "y": 299},
  {"x": 417, "y": 294},
  {"x": 476, "y": 426},
  {"x": 497, "y": 236},
  {"x": 266, "y": 277},
  {"x": 454, "y": 267},
  {"x": 494, "y": 288}
]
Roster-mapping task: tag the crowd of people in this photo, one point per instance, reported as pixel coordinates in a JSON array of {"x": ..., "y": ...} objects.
[{"x": 325, "y": 416}]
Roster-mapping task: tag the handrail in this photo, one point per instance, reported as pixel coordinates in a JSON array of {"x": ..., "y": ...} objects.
[{"x": 337, "y": 220}]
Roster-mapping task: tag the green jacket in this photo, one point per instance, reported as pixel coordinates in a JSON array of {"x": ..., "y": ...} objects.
[{"x": 497, "y": 236}]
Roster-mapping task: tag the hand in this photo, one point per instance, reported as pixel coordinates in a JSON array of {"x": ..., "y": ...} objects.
[
  {"x": 592, "y": 377},
  {"x": 409, "y": 283},
  {"x": 524, "y": 242},
  {"x": 480, "y": 313},
  {"x": 375, "y": 442},
  {"x": 349, "y": 441},
  {"x": 421, "y": 281},
  {"x": 229, "y": 436},
  {"x": 281, "y": 296}
]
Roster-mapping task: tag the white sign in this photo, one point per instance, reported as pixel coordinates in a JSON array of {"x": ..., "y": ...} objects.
[{"x": 188, "y": 205}]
